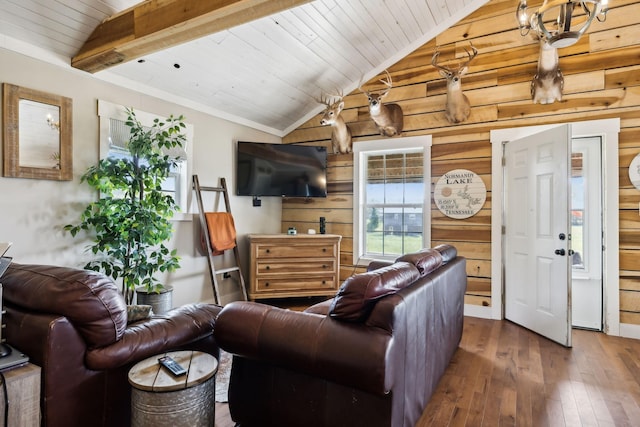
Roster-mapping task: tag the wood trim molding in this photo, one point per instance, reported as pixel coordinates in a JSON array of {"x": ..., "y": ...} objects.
[{"x": 155, "y": 25}]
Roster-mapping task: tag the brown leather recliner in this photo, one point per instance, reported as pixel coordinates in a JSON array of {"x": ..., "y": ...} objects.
[
  {"x": 73, "y": 324},
  {"x": 371, "y": 357}
]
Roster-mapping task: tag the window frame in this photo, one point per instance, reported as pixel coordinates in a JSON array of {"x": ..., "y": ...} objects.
[
  {"x": 361, "y": 149},
  {"x": 108, "y": 111}
]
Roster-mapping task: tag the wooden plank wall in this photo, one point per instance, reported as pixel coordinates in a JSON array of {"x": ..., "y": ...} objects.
[{"x": 602, "y": 80}]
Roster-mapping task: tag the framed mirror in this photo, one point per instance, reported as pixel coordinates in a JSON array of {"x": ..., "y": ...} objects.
[{"x": 37, "y": 131}]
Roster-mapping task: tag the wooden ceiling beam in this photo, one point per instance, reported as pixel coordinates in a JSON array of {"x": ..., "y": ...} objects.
[{"x": 154, "y": 25}]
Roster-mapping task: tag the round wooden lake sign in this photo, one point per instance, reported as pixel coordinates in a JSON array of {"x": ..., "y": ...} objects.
[
  {"x": 634, "y": 171},
  {"x": 460, "y": 193}
]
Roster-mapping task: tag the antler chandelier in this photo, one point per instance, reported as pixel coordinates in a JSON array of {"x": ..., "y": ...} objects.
[{"x": 561, "y": 22}]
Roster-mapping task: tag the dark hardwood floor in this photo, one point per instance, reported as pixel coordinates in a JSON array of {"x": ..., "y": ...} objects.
[{"x": 505, "y": 375}]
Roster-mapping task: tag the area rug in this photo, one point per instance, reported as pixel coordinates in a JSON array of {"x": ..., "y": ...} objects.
[{"x": 222, "y": 377}]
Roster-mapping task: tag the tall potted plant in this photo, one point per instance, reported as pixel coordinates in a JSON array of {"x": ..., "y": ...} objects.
[{"x": 130, "y": 221}]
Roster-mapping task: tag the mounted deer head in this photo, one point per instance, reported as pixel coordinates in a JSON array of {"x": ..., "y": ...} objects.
[
  {"x": 457, "y": 108},
  {"x": 388, "y": 117},
  {"x": 340, "y": 134},
  {"x": 547, "y": 84}
]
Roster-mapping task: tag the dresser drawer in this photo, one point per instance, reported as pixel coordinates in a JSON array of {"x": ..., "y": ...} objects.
[
  {"x": 297, "y": 285},
  {"x": 264, "y": 251},
  {"x": 268, "y": 267},
  {"x": 284, "y": 266}
]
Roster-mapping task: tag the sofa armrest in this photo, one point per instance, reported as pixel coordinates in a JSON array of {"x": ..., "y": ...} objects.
[
  {"x": 177, "y": 328},
  {"x": 53, "y": 343},
  {"x": 309, "y": 343}
]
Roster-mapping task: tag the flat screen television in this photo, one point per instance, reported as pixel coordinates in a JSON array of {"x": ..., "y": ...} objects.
[{"x": 264, "y": 169}]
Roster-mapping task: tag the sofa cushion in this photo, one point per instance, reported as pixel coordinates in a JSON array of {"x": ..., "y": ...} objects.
[
  {"x": 358, "y": 294},
  {"x": 320, "y": 308},
  {"x": 90, "y": 300},
  {"x": 448, "y": 252},
  {"x": 376, "y": 264},
  {"x": 425, "y": 260}
]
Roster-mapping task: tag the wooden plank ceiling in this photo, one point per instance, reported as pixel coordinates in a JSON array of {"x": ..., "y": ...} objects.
[
  {"x": 264, "y": 63},
  {"x": 153, "y": 26}
]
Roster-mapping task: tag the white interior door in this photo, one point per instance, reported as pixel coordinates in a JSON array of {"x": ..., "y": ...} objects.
[{"x": 536, "y": 233}]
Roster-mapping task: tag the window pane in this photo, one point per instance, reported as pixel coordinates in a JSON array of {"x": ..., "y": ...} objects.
[
  {"x": 374, "y": 219},
  {"x": 394, "y": 193},
  {"x": 375, "y": 168},
  {"x": 414, "y": 193},
  {"x": 393, "y": 203},
  {"x": 395, "y": 167},
  {"x": 375, "y": 192},
  {"x": 374, "y": 230},
  {"x": 393, "y": 231},
  {"x": 577, "y": 211}
]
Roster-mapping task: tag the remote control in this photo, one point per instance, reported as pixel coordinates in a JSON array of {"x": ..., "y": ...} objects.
[{"x": 172, "y": 366}]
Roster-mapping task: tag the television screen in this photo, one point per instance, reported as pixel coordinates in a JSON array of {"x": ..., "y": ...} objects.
[{"x": 264, "y": 169}]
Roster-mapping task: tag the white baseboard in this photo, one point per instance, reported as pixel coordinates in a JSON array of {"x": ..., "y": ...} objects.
[{"x": 629, "y": 331}]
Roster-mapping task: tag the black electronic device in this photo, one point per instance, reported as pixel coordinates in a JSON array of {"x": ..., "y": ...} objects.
[
  {"x": 5, "y": 350},
  {"x": 5, "y": 262},
  {"x": 323, "y": 225},
  {"x": 285, "y": 170},
  {"x": 172, "y": 366},
  {"x": 9, "y": 356}
]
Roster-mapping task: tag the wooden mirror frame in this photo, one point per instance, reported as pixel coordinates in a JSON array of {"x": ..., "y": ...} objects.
[{"x": 11, "y": 97}]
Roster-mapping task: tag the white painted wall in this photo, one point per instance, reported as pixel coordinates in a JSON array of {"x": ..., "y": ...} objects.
[{"x": 33, "y": 212}]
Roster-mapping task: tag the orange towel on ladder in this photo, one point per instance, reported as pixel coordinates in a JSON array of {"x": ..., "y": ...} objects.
[{"x": 222, "y": 231}]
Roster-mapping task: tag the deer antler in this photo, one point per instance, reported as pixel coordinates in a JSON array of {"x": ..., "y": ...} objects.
[
  {"x": 471, "y": 56},
  {"x": 323, "y": 100},
  {"x": 366, "y": 92},
  {"x": 434, "y": 62},
  {"x": 388, "y": 83},
  {"x": 339, "y": 94},
  {"x": 328, "y": 101},
  {"x": 434, "y": 59}
]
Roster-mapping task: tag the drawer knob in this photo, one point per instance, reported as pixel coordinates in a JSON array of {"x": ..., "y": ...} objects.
[
  {"x": 268, "y": 250},
  {"x": 266, "y": 284},
  {"x": 268, "y": 267},
  {"x": 324, "y": 282},
  {"x": 324, "y": 266},
  {"x": 324, "y": 249}
]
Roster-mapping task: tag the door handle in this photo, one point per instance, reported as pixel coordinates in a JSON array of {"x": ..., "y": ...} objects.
[{"x": 560, "y": 252}]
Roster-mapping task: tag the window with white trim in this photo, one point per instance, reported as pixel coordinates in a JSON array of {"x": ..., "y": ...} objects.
[
  {"x": 114, "y": 135},
  {"x": 392, "y": 211}
]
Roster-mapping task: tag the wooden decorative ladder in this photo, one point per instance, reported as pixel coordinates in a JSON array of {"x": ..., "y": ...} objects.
[{"x": 207, "y": 239}]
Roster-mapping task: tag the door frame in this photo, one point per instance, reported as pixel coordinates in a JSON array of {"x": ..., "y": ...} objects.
[{"x": 608, "y": 129}]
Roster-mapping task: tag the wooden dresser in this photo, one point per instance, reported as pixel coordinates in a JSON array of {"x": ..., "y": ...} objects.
[{"x": 285, "y": 265}]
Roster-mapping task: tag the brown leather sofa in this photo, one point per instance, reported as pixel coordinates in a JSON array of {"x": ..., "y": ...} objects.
[
  {"x": 73, "y": 324},
  {"x": 371, "y": 356}
]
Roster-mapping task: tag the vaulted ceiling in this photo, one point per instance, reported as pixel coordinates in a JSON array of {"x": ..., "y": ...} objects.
[{"x": 257, "y": 67}]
